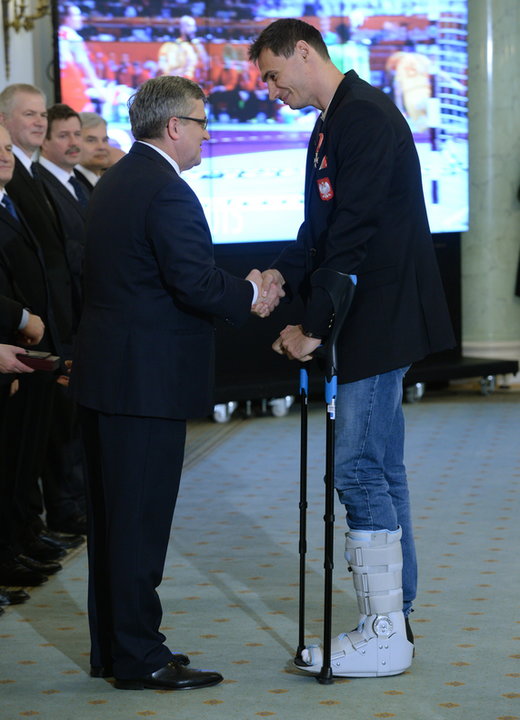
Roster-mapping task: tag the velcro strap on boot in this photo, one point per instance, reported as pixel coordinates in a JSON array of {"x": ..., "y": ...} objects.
[
  {"x": 377, "y": 582},
  {"x": 384, "y": 555},
  {"x": 388, "y": 602}
]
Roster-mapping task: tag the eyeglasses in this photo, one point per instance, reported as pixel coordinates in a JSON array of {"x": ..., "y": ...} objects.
[{"x": 203, "y": 122}]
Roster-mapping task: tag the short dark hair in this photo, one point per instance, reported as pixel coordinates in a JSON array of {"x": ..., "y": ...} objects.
[
  {"x": 281, "y": 36},
  {"x": 59, "y": 111},
  {"x": 159, "y": 99}
]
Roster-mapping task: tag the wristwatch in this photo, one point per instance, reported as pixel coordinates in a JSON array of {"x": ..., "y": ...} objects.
[{"x": 309, "y": 334}]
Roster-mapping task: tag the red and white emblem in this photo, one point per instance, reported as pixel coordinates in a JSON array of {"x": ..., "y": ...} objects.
[{"x": 325, "y": 189}]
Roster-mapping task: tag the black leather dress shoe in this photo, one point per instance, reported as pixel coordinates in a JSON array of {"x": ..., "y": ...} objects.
[
  {"x": 75, "y": 525},
  {"x": 14, "y": 574},
  {"x": 100, "y": 671},
  {"x": 42, "y": 551},
  {"x": 171, "y": 677},
  {"x": 44, "y": 568},
  {"x": 12, "y": 597},
  {"x": 67, "y": 542}
]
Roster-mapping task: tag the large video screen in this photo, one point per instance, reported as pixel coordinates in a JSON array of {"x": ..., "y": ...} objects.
[{"x": 251, "y": 178}]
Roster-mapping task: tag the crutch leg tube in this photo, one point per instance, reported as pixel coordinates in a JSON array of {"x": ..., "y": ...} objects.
[
  {"x": 340, "y": 288},
  {"x": 302, "y": 544}
]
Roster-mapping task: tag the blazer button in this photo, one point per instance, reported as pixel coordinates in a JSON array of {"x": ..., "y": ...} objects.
[{"x": 313, "y": 251}]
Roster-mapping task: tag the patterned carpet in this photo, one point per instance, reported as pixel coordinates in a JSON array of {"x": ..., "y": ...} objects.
[{"x": 230, "y": 592}]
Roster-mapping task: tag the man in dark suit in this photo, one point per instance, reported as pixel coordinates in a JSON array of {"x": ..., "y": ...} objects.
[
  {"x": 23, "y": 112},
  {"x": 143, "y": 364},
  {"x": 94, "y": 158},
  {"x": 63, "y": 474},
  {"x": 60, "y": 151},
  {"x": 364, "y": 215},
  {"x": 26, "y": 418}
]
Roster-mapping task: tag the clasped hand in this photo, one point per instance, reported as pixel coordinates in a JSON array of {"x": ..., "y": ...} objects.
[
  {"x": 293, "y": 343},
  {"x": 270, "y": 291}
]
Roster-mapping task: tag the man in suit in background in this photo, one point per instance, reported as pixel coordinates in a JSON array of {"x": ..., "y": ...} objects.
[
  {"x": 63, "y": 474},
  {"x": 23, "y": 112},
  {"x": 143, "y": 364},
  {"x": 365, "y": 215},
  {"x": 94, "y": 157},
  {"x": 60, "y": 152},
  {"x": 26, "y": 416}
]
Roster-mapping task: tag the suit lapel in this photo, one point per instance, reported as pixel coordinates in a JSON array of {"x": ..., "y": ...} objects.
[{"x": 61, "y": 190}]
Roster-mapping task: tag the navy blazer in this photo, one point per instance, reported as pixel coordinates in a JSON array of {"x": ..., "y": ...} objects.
[
  {"x": 23, "y": 276},
  {"x": 41, "y": 216},
  {"x": 145, "y": 345},
  {"x": 72, "y": 217},
  {"x": 10, "y": 317},
  {"x": 365, "y": 214}
]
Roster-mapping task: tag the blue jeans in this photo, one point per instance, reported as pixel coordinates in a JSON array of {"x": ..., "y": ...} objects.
[{"x": 370, "y": 476}]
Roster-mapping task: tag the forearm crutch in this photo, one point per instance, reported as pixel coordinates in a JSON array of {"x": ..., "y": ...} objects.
[
  {"x": 302, "y": 543},
  {"x": 340, "y": 288}
]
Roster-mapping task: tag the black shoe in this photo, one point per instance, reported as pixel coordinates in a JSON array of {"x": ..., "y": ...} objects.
[
  {"x": 67, "y": 542},
  {"x": 75, "y": 525},
  {"x": 42, "y": 551},
  {"x": 171, "y": 677},
  {"x": 14, "y": 574},
  {"x": 12, "y": 597},
  {"x": 44, "y": 568},
  {"x": 100, "y": 671}
]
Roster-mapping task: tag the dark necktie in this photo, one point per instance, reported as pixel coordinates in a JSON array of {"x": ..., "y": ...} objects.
[
  {"x": 78, "y": 190},
  {"x": 9, "y": 206}
]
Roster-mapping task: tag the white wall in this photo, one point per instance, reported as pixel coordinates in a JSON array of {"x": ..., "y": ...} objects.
[{"x": 30, "y": 56}]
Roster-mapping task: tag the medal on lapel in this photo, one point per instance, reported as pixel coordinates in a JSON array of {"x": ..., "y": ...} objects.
[{"x": 318, "y": 146}]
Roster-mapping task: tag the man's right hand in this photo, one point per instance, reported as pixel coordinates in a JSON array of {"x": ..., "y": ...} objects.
[
  {"x": 271, "y": 292},
  {"x": 32, "y": 333}
]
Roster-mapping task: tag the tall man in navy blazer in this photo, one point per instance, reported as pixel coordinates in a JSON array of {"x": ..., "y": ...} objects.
[
  {"x": 364, "y": 215},
  {"x": 143, "y": 365}
]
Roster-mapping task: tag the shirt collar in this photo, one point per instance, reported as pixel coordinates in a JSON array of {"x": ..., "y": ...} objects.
[
  {"x": 165, "y": 156},
  {"x": 24, "y": 158},
  {"x": 62, "y": 175},
  {"x": 91, "y": 176}
]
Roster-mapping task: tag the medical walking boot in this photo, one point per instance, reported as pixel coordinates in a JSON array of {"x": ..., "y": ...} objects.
[{"x": 378, "y": 646}]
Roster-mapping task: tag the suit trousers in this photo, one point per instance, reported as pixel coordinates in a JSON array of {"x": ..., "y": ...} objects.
[{"x": 133, "y": 473}]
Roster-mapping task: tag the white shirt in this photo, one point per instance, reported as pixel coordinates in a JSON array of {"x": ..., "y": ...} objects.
[
  {"x": 91, "y": 176},
  {"x": 24, "y": 158},
  {"x": 62, "y": 175}
]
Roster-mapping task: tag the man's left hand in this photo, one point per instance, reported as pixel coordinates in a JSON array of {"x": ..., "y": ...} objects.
[{"x": 293, "y": 343}]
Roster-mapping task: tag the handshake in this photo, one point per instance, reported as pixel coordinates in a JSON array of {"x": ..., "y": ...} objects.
[{"x": 270, "y": 291}]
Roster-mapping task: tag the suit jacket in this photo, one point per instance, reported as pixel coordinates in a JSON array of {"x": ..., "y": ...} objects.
[
  {"x": 29, "y": 195},
  {"x": 23, "y": 276},
  {"x": 72, "y": 217},
  {"x": 145, "y": 344},
  {"x": 86, "y": 184},
  {"x": 10, "y": 317},
  {"x": 365, "y": 215}
]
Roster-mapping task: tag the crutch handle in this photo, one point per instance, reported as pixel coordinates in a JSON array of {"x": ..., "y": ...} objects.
[{"x": 340, "y": 288}]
